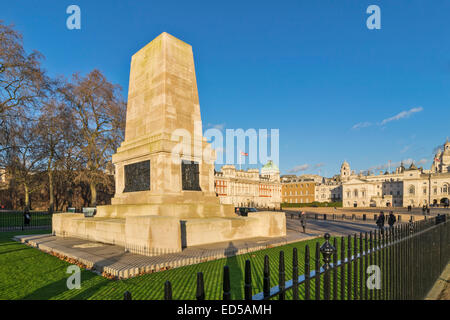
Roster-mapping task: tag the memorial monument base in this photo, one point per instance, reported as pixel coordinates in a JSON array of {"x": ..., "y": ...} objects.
[{"x": 156, "y": 234}]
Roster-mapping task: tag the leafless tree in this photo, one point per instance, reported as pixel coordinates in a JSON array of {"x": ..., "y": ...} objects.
[
  {"x": 21, "y": 77},
  {"x": 99, "y": 115}
]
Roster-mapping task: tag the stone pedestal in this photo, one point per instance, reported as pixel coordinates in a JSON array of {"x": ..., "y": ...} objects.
[{"x": 164, "y": 170}]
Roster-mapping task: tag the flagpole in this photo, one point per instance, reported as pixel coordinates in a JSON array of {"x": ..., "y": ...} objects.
[{"x": 240, "y": 160}]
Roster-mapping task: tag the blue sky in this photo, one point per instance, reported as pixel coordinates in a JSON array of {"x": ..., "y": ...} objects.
[{"x": 336, "y": 90}]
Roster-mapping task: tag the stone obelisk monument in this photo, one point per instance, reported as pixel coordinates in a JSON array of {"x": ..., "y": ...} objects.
[{"x": 164, "y": 170}]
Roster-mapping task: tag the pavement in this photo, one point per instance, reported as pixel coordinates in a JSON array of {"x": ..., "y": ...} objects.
[
  {"x": 114, "y": 262},
  {"x": 441, "y": 289}
]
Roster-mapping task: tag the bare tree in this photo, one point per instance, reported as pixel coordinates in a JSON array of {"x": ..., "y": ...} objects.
[
  {"x": 25, "y": 162},
  {"x": 21, "y": 77},
  {"x": 99, "y": 115}
]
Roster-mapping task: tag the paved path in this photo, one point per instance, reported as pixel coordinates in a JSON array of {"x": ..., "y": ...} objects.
[
  {"x": 335, "y": 228},
  {"x": 113, "y": 261}
]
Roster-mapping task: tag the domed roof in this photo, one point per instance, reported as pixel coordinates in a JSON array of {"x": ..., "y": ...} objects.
[
  {"x": 270, "y": 166},
  {"x": 345, "y": 164}
]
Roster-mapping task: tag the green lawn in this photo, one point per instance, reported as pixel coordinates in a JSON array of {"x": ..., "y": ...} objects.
[{"x": 27, "y": 273}]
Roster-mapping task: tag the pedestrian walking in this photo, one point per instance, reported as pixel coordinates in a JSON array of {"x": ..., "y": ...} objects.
[
  {"x": 380, "y": 222},
  {"x": 26, "y": 216},
  {"x": 391, "y": 219},
  {"x": 303, "y": 220}
]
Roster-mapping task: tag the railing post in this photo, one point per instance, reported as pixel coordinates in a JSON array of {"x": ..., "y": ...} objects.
[
  {"x": 226, "y": 283},
  {"x": 371, "y": 258},
  {"x": 365, "y": 266},
  {"x": 355, "y": 268},
  {"x": 200, "y": 287},
  {"x": 375, "y": 261},
  {"x": 335, "y": 270},
  {"x": 342, "y": 270},
  {"x": 248, "y": 281},
  {"x": 281, "y": 277},
  {"x": 127, "y": 295},
  {"x": 266, "y": 280},
  {"x": 317, "y": 276},
  {"x": 349, "y": 267},
  {"x": 307, "y": 274},
  {"x": 360, "y": 264},
  {"x": 295, "y": 274},
  {"x": 327, "y": 251},
  {"x": 167, "y": 290}
]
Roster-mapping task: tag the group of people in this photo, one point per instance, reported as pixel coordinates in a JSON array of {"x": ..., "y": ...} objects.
[{"x": 390, "y": 220}]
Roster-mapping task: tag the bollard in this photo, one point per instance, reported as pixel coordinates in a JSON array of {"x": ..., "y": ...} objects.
[
  {"x": 127, "y": 295},
  {"x": 411, "y": 218},
  {"x": 226, "y": 284},
  {"x": 316, "y": 216},
  {"x": 266, "y": 279},
  {"x": 399, "y": 218},
  {"x": 375, "y": 217},
  {"x": 281, "y": 277},
  {"x": 167, "y": 290},
  {"x": 364, "y": 217},
  {"x": 248, "y": 281},
  {"x": 324, "y": 216},
  {"x": 200, "y": 295},
  {"x": 334, "y": 216}
]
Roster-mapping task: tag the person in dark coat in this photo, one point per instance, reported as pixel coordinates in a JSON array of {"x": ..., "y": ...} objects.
[
  {"x": 380, "y": 221},
  {"x": 391, "y": 219},
  {"x": 26, "y": 216},
  {"x": 303, "y": 220}
]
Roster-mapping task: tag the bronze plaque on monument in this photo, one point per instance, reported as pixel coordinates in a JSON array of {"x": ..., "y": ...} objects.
[
  {"x": 190, "y": 173},
  {"x": 137, "y": 176}
]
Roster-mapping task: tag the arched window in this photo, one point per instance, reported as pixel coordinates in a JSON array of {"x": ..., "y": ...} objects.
[
  {"x": 412, "y": 190},
  {"x": 445, "y": 189},
  {"x": 355, "y": 193}
]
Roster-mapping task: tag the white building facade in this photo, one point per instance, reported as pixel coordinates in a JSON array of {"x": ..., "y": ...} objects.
[
  {"x": 404, "y": 187},
  {"x": 249, "y": 188}
]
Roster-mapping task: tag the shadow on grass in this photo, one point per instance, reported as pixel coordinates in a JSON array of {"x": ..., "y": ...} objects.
[
  {"x": 236, "y": 277},
  {"x": 15, "y": 250},
  {"x": 57, "y": 287}
]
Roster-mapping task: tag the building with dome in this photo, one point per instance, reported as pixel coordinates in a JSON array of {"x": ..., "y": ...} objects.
[{"x": 250, "y": 188}]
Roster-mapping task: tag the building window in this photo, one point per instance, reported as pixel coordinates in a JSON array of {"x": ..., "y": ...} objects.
[{"x": 412, "y": 190}]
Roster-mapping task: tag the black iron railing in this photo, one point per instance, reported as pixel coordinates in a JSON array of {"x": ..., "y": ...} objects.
[
  {"x": 400, "y": 263},
  {"x": 16, "y": 220}
]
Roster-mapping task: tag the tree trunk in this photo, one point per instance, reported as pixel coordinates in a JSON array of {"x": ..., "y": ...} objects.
[
  {"x": 51, "y": 204},
  {"x": 27, "y": 196},
  {"x": 93, "y": 187}
]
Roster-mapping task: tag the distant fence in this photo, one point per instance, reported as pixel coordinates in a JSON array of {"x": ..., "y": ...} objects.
[
  {"x": 353, "y": 216},
  {"x": 15, "y": 220},
  {"x": 400, "y": 263}
]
